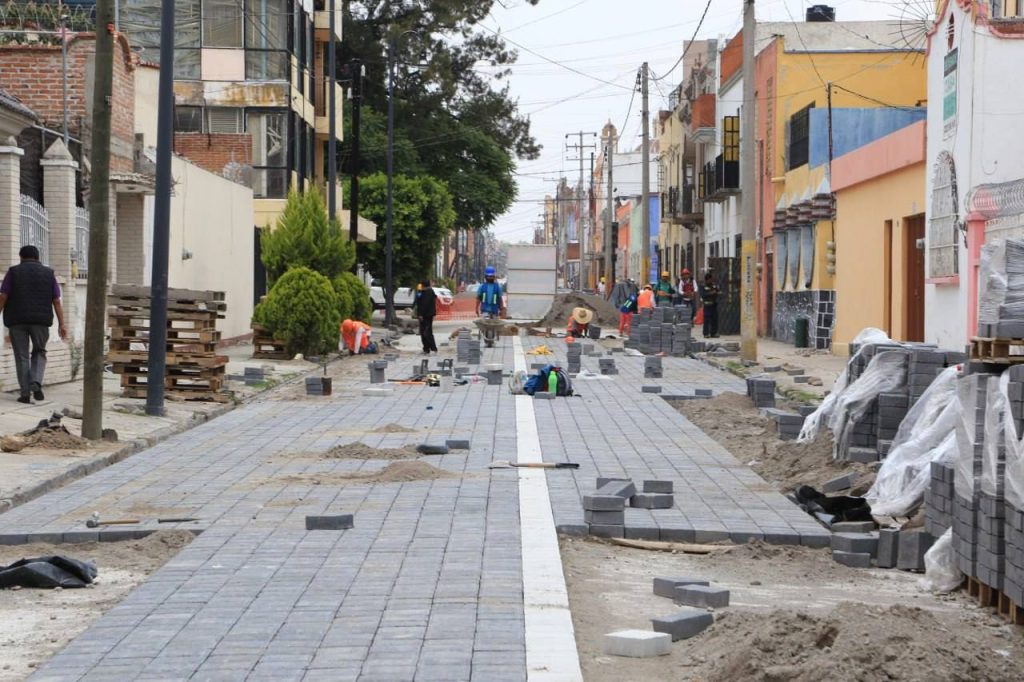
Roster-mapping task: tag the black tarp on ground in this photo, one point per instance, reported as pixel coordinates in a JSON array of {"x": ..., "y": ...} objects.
[{"x": 48, "y": 572}]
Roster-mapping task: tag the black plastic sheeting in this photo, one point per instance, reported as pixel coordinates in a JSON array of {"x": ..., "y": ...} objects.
[
  {"x": 840, "y": 507},
  {"x": 48, "y": 572}
]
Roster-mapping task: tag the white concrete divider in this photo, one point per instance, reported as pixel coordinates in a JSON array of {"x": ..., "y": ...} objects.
[{"x": 550, "y": 638}]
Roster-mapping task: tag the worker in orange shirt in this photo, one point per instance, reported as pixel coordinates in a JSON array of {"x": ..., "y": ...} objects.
[
  {"x": 355, "y": 337},
  {"x": 646, "y": 298}
]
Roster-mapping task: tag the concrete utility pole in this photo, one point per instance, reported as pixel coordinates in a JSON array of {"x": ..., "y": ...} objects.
[
  {"x": 609, "y": 254},
  {"x": 748, "y": 168},
  {"x": 161, "y": 217},
  {"x": 581, "y": 234},
  {"x": 99, "y": 224},
  {"x": 645, "y": 159}
]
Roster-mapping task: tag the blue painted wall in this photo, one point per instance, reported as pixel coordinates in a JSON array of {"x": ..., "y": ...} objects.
[{"x": 854, "y": 128}]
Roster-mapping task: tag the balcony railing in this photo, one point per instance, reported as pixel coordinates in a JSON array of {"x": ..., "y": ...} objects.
[
  {"x": 720, "y": 179},
  {"x": 683, "y": 203}
]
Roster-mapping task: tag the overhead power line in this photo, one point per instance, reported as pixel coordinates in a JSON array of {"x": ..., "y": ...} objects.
[{"x": 692, "y": 40}]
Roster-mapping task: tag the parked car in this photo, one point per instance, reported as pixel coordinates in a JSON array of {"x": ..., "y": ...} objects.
[
  {"x": 444, "y": 295},
  {"x": 403, "y": 296}
]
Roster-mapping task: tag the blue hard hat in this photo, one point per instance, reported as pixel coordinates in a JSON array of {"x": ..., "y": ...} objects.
[{"x": 489, "y": 271}]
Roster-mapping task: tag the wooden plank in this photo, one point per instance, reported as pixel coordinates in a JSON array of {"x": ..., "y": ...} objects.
[
  {"x": 201, "y": 360},
  {"x": 172, "y": 293}
]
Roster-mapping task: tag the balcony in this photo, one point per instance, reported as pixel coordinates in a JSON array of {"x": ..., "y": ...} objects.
[
  {"x": 720, "y": 179},
  {"x": 682, "y": 206},
  {"x": 322, "y": 20},
  {"x": 321, "y": 109}
]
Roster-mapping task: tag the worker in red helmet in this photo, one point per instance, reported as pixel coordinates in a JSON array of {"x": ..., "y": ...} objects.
[{"x": 688, "y": 290}]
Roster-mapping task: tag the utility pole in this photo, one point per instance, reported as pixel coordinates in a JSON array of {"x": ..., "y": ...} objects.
[
  {"x": 99, "y": 223},
  {"x": 592, "y": 218},
  {"x": 609, "y": 254},
  {"x": 645, "y": 159},
  {"x": 332, "y": 126},
  {"x": 389, "y": 292},
  {"x": 357, "y": 108},
  {"x": 161, "y": 217},
  {"x": 748, "y": 168},
  {"x": 580, "y": 148}
]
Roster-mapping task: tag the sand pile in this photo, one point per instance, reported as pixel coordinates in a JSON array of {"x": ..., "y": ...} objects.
[
  {"x": 855, "y": 642},
  {"x": 605, "y": 314},
  {"x": 393, "y": 428},
  {"x": 47, "y": 439},
  {"x": 733, "y": 421},
  {"x": 396, "y": 472},
  {"x": 359, "y": 450}
]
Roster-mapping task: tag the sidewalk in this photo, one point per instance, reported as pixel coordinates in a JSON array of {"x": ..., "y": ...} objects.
[
  {"x": 34, "y": 471},
  {"x": 822, "y": 365}
]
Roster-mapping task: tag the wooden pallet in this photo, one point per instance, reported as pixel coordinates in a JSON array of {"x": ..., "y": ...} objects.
[
  {"x": 171, "y": 382},
  {"x": 141, "y": 356},
  {"x": 990, "y": 597},
  {"x": 1001, "y": 351},
  {"x": 136, "y": 334},
  {"x": 266, "y": 347}
]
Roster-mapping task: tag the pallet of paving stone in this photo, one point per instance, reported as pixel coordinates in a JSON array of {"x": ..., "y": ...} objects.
[{"x": 998, "y": 351}]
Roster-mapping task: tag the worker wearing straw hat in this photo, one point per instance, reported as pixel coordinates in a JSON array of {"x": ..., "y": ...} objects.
[{"x": 579, "y": 322}]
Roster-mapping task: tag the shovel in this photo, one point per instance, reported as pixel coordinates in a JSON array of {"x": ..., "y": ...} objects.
[{"x": 505, "y": 464}]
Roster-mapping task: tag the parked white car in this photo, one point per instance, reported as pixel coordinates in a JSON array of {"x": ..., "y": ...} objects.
[{"x": 405, "y": 296}]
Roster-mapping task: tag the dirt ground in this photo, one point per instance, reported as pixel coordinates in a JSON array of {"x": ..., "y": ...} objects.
[
  {"x": 38, "y": 623},
  {"x": 605, "y": 313},
  {"x": 794, "y": 614},
  {"x": 733, "y": 421}
]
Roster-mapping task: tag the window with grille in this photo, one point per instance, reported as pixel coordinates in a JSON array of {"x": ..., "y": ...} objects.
[
  {"x": 942, "y": 223},
  {"x": 800, "y": 137},
  {"x": 222, "y": 23}
]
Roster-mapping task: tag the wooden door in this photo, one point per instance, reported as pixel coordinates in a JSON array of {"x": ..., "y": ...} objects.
[{"x": 913, "y": 285}]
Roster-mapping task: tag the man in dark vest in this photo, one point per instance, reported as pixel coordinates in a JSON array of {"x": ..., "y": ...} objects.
[
  {"x": 29, "y": 296},
  {"x": 426, "y": 309}
]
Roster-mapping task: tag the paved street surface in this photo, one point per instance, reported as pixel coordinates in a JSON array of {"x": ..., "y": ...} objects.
[{"x": 445, "y": 579}]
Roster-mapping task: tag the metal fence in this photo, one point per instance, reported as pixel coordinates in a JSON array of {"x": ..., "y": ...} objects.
[
  {"x": 82, "y": 241},
  {"x": 35, "y": 227}
]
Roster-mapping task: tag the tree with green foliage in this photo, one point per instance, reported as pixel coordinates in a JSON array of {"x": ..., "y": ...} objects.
[
  {"x": 450, "y": 122},
  {"x": 362, "y": 306},
  {"x": 305, "y": 237},
  {"x": 423, "y": 215},
  {"x": 302, "y": 310}
]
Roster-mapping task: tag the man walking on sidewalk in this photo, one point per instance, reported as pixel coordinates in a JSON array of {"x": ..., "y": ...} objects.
[
  {"x": 426, "y": 308},
  {"x": 29, "y": 296}
]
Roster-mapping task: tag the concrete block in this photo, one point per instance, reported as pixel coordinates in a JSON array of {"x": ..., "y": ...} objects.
[
  {"x": 650, "y": 389},
  {"x": 335, "y": 522},
  {"x": 703, "y": 596},
  {"x": 853, "y": 527},
  {"x": 888, "y": 545},
  {"x": 76, "y": 536},
  {"x": 912, "y": 548},
  {"x": 609, "y": 518},
  {"x": 604, "y": 503},
  {"x": 664, "y": 487},
  {"x": 843, "y": 482},
  {"x": 13, "y": 538},
  {"x": 378, "y": 392},
  {"x": 684, "y": 624},
  {"x": 856, "y": 543},
  {"x": 642, "y": 532},
  {"x": 703, "y": 392},
  {"x": 622, "y": 488},
  {"x": 862, "y": 454},
  {"x": 543, "y": 395},
  {"x": 607, "y": 531},
  {"x": 605, "y": 480},
  {"x": 637, "y": 643},
  {"x": 455, "y": 444},
  {"x": 666, "y": 587},
  {"x": 652, "y": 501},
  {"x": 852, "y": 559}
]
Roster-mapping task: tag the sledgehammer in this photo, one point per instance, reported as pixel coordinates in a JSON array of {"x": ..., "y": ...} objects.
[{"x": 96, "y": 523}]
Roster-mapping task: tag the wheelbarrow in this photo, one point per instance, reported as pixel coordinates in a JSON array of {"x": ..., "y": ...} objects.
[{"x": 490, "y": 329}]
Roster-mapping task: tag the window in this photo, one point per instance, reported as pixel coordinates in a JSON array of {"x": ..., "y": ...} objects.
[
  {"x": 800, "y": 137},
  {"x": 269, "y": 131},
  {"x": 141, "y": 20},
  {"x": 942, "y": 223},
  {"x": 222, "y": 23},
  {"x": 807, "y": 248},
  {"x": 731, "y": 138},
  {"x": 793, "y": 248},
  {"x": 188, "y": 119},
  {"x": 223, "y": 120},
  {"x": 266, "y": 66}
]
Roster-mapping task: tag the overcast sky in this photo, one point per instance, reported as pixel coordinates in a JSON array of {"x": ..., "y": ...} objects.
[{"x": 605, "y": 41}]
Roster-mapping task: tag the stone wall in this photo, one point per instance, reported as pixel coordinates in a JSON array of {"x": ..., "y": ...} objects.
[{"x": 816, "y": 305}]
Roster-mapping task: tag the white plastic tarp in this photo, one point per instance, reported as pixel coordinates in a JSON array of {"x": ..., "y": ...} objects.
[
  {"x": 886, "y": 373},
  {"x": 926, "y": 435},
  {"x": 941, "y": 573},
  {"x": 1014, "y": 473},
  {"x": 992, "y": 280},
  {"x": 813, "y": 422}
]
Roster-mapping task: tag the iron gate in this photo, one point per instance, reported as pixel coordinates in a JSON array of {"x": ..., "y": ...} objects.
[{"x": 726, "y": 274}]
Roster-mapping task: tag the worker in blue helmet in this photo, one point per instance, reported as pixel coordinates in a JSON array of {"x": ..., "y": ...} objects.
[{"x": 490, "y": 303}]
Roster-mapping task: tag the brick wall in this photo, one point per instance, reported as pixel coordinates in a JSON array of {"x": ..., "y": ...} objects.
[
  {"x": 34, "y": 74},
  {"x": 213, "y": 151},
  {"x": 732, "y": 57}
]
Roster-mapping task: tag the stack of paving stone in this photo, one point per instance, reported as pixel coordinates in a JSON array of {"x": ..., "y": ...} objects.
[
  {"x": 574, "y": 352},
  {"x": 640, "y": 334},
  {"x": 607, "y": 366},
  {"x": 970, "y": 435},
  {"x": 604, "y": 510},
  {"x": 788, "y": 424},
  {"x": 594, "y": 332},
  {"x": 655, "y": 331},
  {"x": 923, "y": 366},
  {"x": 377, "y": 368},
  {"x": 761, "y": 390},
  {"x": 467, "y": 350},
  {"x": 1013, "y": 509},
  {"x": 892, "y": 409},
  {"x": 938, "y": 499},
  {"x": 681, "y": 337},
  {"x": 652, "y": 367},
  {"x": 857, "y": 544}
]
